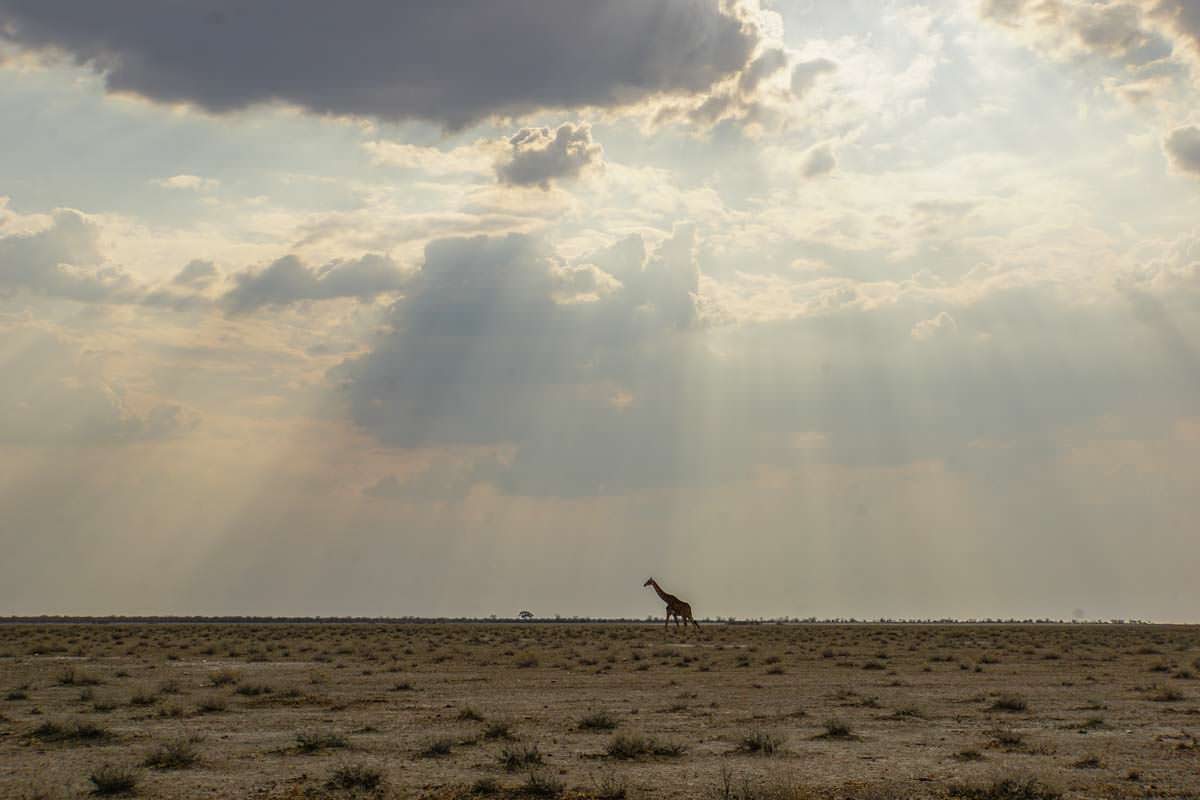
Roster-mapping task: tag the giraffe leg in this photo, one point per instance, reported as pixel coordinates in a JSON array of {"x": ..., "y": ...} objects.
[{"x": 667, "y": 623}]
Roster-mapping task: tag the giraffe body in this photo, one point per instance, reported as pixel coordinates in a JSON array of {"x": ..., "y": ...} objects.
[{"x": 675, "y": 607}]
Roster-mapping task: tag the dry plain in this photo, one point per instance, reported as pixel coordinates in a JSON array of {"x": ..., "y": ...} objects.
[{"x": 599, "y": 711}]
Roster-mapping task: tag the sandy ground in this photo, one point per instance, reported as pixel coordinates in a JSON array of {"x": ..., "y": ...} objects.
[{"x": 296, "y": 711}]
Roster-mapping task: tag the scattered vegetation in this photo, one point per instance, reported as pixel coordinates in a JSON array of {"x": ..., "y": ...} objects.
[
  {"x": 437, "y": 747},
  {"x": 224, "y": 677},
  {"x": 909, "y": 712},
  {"x": 732, "y": 787},
  {"x": 176, "y": 754},
  {"x": 631, "y": 746},
  {"x": 837, "y": 729},
  {"x": 610, "y": 788},
  {"x": 213, "y": 704},
  {"x": 541, "y": 785},
  {"x": 600, "y": 679},
  {"x": 316, "y": 741},
  {"x": 110, "y": 780},
  {"x": 77, "y": 677},
  {"x": 80, "y": 731},
  {"x": 516, "y": 759},
  {"x": 599, "y": 721},
  {"x": 498, "y": 729},
  {"x": 1007, "y": 788},
  {"x": 1010, "y": 702},
  {"x": 762, "y": 743},
  {"x": 355, "y": 776},
  {"x": 1166, "y": 694},
  {"x": 485, "y": 787}
]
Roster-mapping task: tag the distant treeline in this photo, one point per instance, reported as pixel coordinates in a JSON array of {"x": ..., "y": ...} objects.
[{"x": 235, "y": 620}]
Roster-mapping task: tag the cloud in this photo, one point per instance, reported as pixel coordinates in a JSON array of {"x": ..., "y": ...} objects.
[
  {"x": 1173, "y": 274},
  {"x": 806, "y": 73},
  {"x": 762, "y": 68},
  {"x": 819, "y": 161},
  {"x": 1124, "y": 31},
  {"x": 289, "y": 280},
  {"x": 930, "y": 329},
  {"x": 1114, "y": 30},
  {"x": 494, "y": 333},
  {"x": 1180, "y": 17},
  {"x": 630, "y": 389},
  {"x": 756, "y": 101},
  {"x": 452, "y": 63},
  {"x": 539, "y": 156},
  {"x": 582, "y": 283},
  {"x": 196, "y": 274},
  {"x": 1182, "y": 146},
  {"x": 63, "y": 260},
  {"x": 188, "y": 182}
]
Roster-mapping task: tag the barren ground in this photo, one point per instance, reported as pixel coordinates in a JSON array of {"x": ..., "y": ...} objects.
[{"x": 600, "y": 711}]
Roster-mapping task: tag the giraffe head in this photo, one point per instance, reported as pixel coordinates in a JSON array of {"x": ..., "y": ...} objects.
[{"x": 648, "y": 582}]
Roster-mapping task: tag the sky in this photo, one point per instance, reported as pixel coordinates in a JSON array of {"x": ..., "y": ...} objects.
[{"x": 803, "y": 307}]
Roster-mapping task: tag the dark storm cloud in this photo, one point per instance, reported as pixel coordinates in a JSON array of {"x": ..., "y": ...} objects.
[
  {"x": 540, "y": 156},
  {"x": 1183, "y": 149},
  {"x": 289, "y": 280},
  {"x": 453, "y": 62}
]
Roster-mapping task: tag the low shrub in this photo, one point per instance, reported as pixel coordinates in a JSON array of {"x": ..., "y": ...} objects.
[
  {"x": 761, "y": 743},
  {"x": 599, "y": 721},
  {"x": 514, "y": 759},
  {"x": 355, "y": 776},
  {"x": 175, "y": 754},
  {"x": 316, "y": 741},
  {"x": 113, "y": 780}
]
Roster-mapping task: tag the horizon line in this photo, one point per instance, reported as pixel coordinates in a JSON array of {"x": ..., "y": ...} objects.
[{"x": 113, "y": 619}]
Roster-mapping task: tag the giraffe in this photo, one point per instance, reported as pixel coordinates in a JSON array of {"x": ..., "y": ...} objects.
[{"x": 675, "y": 606}]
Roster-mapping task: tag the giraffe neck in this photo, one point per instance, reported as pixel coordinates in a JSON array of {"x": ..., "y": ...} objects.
[{"x": 661, "y": 593}]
